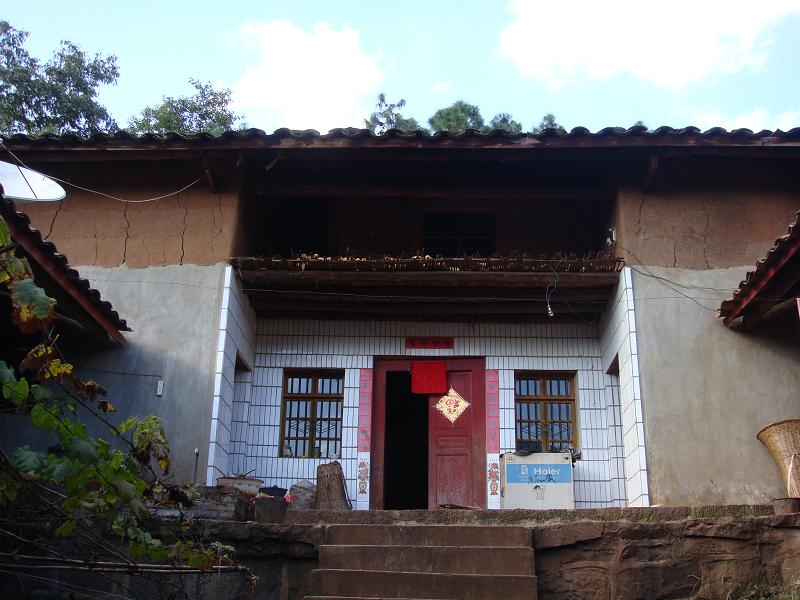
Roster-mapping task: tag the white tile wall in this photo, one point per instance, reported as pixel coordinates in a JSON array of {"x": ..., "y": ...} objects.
[
  {"x": 232, "y": 389},
  {"x": 352, "y": 345},
  {"x": 246, "y": 405},
  {"x": 618, "y": 339}
]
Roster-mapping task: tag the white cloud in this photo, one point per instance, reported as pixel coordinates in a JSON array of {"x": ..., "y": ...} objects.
[
  {"x": 756, "y": 119},
  {"x": 318, "y": 79},
  {"x": 440, "y": 87},
  {"x": 670, "y": 44}
]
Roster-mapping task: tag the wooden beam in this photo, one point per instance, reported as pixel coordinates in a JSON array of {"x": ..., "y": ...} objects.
[
  {"x": 650, "y": 173},
  {"x": 406, "y": 279},
  {"x": 209, "y": 177},
  {"x": 421, "y": 307},
  {"x": 434, "y": 192},
  {"x": 431, "y": 142},
  {"x": 407, "y": 294},
  {"x": 565, "y": 317}
]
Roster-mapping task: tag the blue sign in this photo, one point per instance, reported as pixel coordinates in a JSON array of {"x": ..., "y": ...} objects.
[{"x": 527, "y": 473}]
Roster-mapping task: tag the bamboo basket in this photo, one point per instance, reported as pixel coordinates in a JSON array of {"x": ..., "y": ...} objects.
[{"x": 782, "y": 439}]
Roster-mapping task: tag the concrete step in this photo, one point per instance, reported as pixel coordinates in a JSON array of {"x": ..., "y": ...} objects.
[
  {"x": 472, "y": 560},
  {"x": 428, "y": 535},
  {"x": 397, "y": 584}
]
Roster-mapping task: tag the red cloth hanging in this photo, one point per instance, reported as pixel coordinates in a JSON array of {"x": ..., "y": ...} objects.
[{"x": 428, "y": 377}]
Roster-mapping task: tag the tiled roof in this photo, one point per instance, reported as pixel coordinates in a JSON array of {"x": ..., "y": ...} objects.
[
  {"x": 59, "y": 262},
  {"x": 578, "y": 137},
  {"x": 786, "y": 248}
]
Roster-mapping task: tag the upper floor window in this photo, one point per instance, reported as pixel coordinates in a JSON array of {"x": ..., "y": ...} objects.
[
  {"x": 311, "y": 417},
  {"x": 453, "y": 235},
  {"x": 545, "y": 411}
]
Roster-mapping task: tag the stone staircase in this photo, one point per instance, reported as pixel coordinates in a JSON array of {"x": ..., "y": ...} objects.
[{"x": 429, "y": 562}]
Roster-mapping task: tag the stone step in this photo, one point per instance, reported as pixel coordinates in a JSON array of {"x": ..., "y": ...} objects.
[
  {"x": 398, "y": 584},
  {"x": 429, "y": 559},
  {"x": 428, "y": 535}
]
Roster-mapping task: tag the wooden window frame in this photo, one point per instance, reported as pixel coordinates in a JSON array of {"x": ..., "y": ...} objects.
[
  {"x": 544, "y": 398},
  {"x": 314, "y": 396}
]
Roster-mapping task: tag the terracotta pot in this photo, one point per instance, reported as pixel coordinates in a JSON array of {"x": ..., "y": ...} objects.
[
  {"x": 786, "y": 506},
  {"x": 248, "y": 485}
]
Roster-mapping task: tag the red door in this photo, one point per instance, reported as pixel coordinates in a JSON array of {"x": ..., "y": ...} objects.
[{"x": 456, "y": 451}]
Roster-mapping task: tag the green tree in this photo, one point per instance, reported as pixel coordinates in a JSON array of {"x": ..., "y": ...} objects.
[
  {"x": 505, "y": 122},
  {"x": 387, "y": 116},
  {"x": 548, "y": 122},
  {"x": 57, "y": 96},
  {"x": 207, "y": 110},
  {"x": 458, "y": 117}
]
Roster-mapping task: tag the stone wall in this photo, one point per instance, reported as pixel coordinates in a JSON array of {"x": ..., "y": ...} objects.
[
  {"x": 621, "y": 554},
  {"x": 697, "y": 559}
]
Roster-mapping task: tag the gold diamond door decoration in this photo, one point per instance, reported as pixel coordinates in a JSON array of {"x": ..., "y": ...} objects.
[{"x": 452, "y": 405}]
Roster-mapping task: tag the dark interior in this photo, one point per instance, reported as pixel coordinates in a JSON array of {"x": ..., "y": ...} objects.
[
  {"x": 406, "y": 450},
  {"x": 450, "y": 227}
]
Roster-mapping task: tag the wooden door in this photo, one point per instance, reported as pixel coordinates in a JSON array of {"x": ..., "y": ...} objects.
[
  {"x": 450, "y": 447},
  {"x": 456, "y": 451}
]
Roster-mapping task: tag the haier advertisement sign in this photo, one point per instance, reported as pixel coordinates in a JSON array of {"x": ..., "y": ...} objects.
[{"x": 537, "y": 481}]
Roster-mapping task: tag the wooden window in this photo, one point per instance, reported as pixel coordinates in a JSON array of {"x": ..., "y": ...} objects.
[
  {"x": 311, "y": 415},
  {"x": 545, "y": 411},
  {"x": 455, "y": 235}
]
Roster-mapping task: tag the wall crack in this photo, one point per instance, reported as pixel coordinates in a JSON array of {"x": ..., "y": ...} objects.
[
  {"x": 217, "y": 227},
  {"x": 127, "y": 232},
  {"x": 53, "y": 222},
  {"x": 183, "y": 232},
  {"x": 705, "y": 233},
  {"x": 639, "y": 220}
]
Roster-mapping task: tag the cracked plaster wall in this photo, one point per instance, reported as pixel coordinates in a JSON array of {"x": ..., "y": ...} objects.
[
  {"x": 706, "y": 389},
  {"x": 195, "y": 226},
  {"x": 693, "y": 228}
]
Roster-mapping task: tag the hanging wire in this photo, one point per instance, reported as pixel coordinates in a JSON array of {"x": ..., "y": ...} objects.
[
  {"x": 85, "y": 189},
  {"x": 674, "y": 285},
  {"x": 554, "y": 285}
]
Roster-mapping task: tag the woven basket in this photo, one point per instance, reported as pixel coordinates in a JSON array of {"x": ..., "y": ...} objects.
[{"x": 782, "y": 439}]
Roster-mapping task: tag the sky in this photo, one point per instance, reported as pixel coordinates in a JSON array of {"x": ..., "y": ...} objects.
[{"x": 321, "y": 64}]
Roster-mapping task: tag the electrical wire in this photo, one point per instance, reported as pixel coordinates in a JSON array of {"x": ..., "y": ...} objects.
[
  {"x": 666, "y": 279},
  {"x": 674, "y": 285},
  {"x": 91, "y": 191},
  {"x": 554, "y": 287}
]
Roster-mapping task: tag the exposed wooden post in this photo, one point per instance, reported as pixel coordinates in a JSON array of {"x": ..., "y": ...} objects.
[{"x": 331, "y": 491}]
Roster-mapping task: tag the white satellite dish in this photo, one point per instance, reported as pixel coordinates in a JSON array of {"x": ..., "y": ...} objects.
[{"x": 25, "y": 185}]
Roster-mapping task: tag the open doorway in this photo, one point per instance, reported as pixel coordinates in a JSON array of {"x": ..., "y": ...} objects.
[{"x": 406, "y": 449}]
